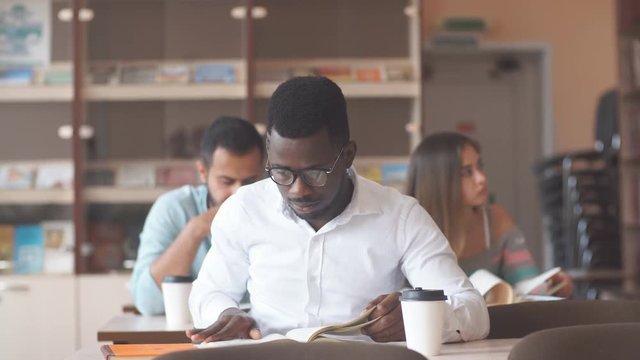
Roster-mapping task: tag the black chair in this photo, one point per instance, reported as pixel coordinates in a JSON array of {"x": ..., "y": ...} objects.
[
  {"x": 585, "y": 342},
  {"x": 292, "y": 350},
  {"x": 521, "y": 319}
]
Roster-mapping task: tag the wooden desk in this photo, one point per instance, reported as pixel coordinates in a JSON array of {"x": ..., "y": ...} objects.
[
  {"x": 136, "y": 329},
  {"x": 493, "y": 349}
]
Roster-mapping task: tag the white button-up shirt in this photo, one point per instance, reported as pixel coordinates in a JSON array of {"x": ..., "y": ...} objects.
[{"x": 298, "y": 277}]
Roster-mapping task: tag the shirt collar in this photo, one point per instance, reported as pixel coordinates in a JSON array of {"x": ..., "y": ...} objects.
[{"x": 360, "y": 203}]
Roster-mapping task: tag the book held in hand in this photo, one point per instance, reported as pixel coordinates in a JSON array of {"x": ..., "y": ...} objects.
[{"x": 497, "y": 291}]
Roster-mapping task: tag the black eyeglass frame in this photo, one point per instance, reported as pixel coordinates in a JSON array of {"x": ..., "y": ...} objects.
[{"x": 300, "y": 173}]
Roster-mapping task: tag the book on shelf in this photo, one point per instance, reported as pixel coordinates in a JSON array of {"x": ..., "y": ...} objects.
[
  {"x": 58, "y": 74},
  {"x": 395, "y": 175},
  {"x": 497, "y": 291},
  {"x": 54, "y": 176},
  {"x": 28, "y": 250},
  {"x": 58, "y": 246},
  {"x": 16, "y": 176},
  {"x": 16, "y": 76},
  {"x": 141, "y": 351},
  {"x": 99, "y": 177},
  {"x": 103, "y": 73},
  {"x": 136, "y": 175},
  {"x": 176, "y": 175},
  {"x": 173, "y": 74},
  {"x": 6, "y": 242},
  {"x": 106, "y": 240},
  {"x": 213, "y": 73},
  {"x": 369, "y": 73},
  {"x": 336, "y": 73},
  {"x": 303, "y": 71},
  {"x": 398, "y": 73},
  {"x": 138, "y": 73}
]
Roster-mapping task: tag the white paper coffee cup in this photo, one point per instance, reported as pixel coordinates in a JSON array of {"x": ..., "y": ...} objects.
[
  {"x": 175, "y": 292},
  {"x": 423, "y": 317}
]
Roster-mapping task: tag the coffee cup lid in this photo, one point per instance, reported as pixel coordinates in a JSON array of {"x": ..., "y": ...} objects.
[
  {"x": 420, "y": 294},
  {"x": 177, "y": 279}
]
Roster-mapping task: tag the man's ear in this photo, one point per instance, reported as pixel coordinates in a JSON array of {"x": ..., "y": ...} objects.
[
  {"x": 202, "y": 171},
  {"x": 350, "y": 149}
]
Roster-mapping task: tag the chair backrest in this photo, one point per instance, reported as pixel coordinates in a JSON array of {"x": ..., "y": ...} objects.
[
  {"x": 292, "y": 350},
  {"x": 521, "y": 319},
  {"x": 584, "y": 342}
]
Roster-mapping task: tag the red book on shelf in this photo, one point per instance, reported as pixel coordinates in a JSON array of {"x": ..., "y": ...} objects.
[{"x": 336, "y": 73}]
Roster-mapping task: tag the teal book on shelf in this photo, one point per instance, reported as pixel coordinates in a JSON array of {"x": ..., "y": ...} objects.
[{"x": 28, "y": 251}]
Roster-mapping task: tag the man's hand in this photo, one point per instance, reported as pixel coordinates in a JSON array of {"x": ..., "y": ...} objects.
[
  {"x": 200, "y": 226},
  {"x": 561, "y": 277},
  {"x": 233, "y": 323},
  {"x": 390, "y": 326}
]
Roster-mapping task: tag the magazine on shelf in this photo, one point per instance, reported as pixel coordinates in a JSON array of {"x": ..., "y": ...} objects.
[
  {"x": 54, "y": 176},
  {"x": 16, "y": 176},
  {"x": 28, "y": 251},
  {"x": 25, "y": 28},
  {"x": 497, "y": 291},
  {"x": 58, "y": 246}
]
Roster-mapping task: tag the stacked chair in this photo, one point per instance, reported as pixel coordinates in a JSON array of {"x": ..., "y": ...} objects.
[{"x": 579, "y": 197}]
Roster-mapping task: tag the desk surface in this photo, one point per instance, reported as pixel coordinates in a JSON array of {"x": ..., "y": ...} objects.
[
  {"x": 494, "y": 349},
  {"x": 136, "y": 329}
]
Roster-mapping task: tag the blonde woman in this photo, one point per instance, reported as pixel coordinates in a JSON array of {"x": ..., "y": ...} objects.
[{"x": 446, "y": 176}]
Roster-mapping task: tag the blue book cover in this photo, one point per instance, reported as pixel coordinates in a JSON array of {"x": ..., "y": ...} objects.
[
  {"x": 205, "y": 73},
  {"x": 28, "y": 250},
  {"x": 22, "y": 76}
]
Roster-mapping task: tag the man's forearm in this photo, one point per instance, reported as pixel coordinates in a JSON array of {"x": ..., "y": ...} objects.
[{"x": 178, "y": 258}]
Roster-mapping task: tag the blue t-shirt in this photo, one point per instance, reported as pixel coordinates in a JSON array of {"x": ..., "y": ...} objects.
[{"x": 167, "y": 217}]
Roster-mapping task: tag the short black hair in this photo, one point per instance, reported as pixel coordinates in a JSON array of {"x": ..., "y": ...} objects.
[
  {"x": 234, "y": 134},
  {"x": 303, "y": 106}
]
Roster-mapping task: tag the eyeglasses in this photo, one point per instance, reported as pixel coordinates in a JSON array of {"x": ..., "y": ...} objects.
[{"x": 315, "y": 177}]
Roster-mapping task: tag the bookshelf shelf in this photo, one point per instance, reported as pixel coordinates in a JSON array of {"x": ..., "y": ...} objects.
[
  {"x": 165, "y": 92},
  {"x": 94, "y": 194},
  {"x": 359, "y": 89},
  {"x": 36, "y": 93},
  {"x": 36, "y": 197},
  {"x": 116, "y": 195}
]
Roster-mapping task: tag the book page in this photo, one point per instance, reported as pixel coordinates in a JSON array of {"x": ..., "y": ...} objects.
[
  {"x": 350, "y": 328},
  {"x": 235, "y": 342},
  {"x": 494, "y": 290},
  {"x": 537, "y": 284}
]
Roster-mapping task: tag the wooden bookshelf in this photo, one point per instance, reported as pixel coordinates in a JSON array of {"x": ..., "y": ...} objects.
[
  {"x": 120, "y": 195},
  {"x": 165, "y": 92},
  {"x": 36, "y": 197},
  {"x": 397, "y": 89},
  {"x": 629, "y": 128},
  {"x": 36, "y": 93}
]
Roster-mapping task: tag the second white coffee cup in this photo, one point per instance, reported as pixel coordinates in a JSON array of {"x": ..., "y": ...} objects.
[
  {"x": 175, "y": 292},
  {"x": 423, "y": 317}
]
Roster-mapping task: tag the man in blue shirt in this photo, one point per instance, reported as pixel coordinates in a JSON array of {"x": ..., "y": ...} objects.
[{"x": 175, "y": 237}]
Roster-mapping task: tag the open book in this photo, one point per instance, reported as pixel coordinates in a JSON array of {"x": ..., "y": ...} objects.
[
  {"x": 348, "y": 330},
  {"x": 497, "y": 291}
]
